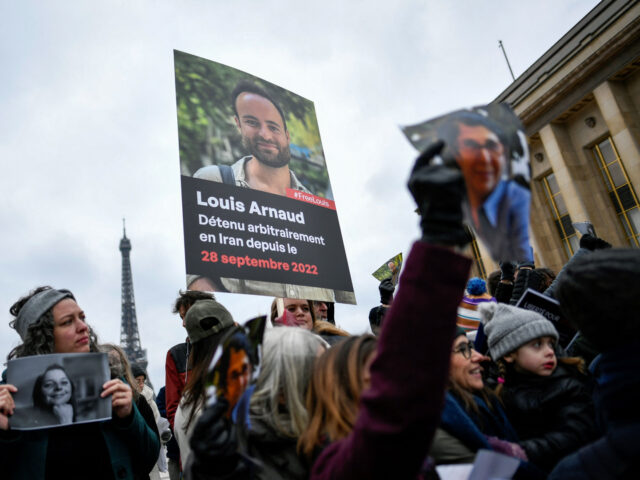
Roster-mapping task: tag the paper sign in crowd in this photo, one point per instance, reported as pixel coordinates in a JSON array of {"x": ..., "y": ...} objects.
[{"x": 390, "y": 269}]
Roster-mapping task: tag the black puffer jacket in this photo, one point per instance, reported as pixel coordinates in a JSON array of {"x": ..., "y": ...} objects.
[{"x": 553, "y": 416}]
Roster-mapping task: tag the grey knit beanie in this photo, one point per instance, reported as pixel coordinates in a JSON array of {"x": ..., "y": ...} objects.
[
  {"x": 507, "y": 328},
  {"x": 37, "y": 306}
]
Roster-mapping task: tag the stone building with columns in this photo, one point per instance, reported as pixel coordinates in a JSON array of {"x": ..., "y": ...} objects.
[{"x": 580, "y": 105}]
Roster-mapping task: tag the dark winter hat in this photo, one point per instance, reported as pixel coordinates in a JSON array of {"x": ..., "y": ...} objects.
[
  {"x": 137, "y": 371},
  {"x": 598, "y": 293},
  {"x": 206, "y": 318},
  {"x": 507, "y": 328}
]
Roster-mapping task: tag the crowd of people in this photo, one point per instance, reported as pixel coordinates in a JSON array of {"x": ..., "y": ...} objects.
[{"x": 450, "y": 369}]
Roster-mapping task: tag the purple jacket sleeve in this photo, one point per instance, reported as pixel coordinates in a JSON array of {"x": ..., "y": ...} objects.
[{"x": 399, "y": 414}]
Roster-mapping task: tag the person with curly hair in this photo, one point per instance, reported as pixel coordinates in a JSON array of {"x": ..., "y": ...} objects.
[{"x": 51, "y": 321}]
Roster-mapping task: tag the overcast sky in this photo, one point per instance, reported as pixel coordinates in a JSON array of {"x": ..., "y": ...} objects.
[{"x": 88, "y": 130}]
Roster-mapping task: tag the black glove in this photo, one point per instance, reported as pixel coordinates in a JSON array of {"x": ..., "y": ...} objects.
[
  {"x": 590, "y": 242},
  {"x": 438, "y": 190},
  {"x": 526, "y": 264},
  {"x": 508, "y": 271},
  {"x": 503, "y": 292},
  {"x": 528, "y": 277},
  {"x": 386, "y": 289},
  {"x": 537, "y": 281},
  {"x": 214, "y": 445}
]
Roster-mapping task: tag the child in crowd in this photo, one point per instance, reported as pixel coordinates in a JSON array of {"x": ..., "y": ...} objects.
[{"x": 547, "y": 399}]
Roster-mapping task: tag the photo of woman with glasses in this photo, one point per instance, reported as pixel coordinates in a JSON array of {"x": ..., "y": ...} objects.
[
  {"x": 472, "y": 417},
  {"x": 486, "y": 143}
]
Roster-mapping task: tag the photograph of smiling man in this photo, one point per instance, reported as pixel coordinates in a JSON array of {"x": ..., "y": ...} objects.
[
  {"x": 486, "y": 144},
  {"x": 258, "y": 148},
  {"x": 265, "y": 137}
]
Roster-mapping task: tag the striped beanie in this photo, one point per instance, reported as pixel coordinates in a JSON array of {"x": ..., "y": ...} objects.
[{"x": 468, "y": 314}]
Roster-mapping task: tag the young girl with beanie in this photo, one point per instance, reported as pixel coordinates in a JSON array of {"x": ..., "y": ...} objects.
[{"x": 547, "y": 399}]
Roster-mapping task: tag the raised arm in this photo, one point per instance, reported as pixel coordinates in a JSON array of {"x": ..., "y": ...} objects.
[{"x": 399, "y": 414}]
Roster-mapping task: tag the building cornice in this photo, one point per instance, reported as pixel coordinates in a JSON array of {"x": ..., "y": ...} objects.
[{"x": 577, "y": 63}]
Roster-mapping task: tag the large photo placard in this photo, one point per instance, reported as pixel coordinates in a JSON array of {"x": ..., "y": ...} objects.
[{"x": 258, "y": 210}]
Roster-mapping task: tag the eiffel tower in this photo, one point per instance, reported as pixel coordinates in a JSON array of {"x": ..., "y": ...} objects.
[{"x": 129, "y": 336}]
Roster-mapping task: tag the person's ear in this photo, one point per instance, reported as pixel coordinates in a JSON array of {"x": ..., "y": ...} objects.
[
  {"x": 235, "y": 117},
  {"x": 287, "y": 134},
  {"x": 510, "y": 358}
]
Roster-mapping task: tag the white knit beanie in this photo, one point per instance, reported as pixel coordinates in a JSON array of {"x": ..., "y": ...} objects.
[{"x": 507, "y": 328}]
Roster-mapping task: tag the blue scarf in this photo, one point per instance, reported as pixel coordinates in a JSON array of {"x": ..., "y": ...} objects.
[{"x": 471, "y": 428}]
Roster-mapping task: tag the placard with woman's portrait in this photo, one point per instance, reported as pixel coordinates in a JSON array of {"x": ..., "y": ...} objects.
[{"x": 58, "y": 389}]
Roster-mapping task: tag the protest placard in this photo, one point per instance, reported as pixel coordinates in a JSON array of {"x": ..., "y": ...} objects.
[
  {"x": 549, "y": 308},
  {"x": 236, "y": 362},
  {"x": 389, "y": 269},
  {"x": 585, "y": 228},
  {"x": 258, "y": 209},
  {"x": 489, "y": 146},
  {"x": 58, "y": 389}
]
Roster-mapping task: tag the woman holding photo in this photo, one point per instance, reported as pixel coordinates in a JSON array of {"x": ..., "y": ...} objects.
[{"x": 50, "y": 321}]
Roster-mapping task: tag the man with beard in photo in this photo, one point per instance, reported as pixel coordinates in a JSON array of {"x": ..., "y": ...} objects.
[{"x": 265, "y": 137}]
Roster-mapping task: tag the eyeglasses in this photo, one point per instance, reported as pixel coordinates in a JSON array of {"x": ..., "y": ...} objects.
[
  {"x": 490, "y": 145},
  {"x": 464, "y": 349}
]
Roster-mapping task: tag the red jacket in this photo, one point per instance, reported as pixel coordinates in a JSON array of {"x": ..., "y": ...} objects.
[
  {"x": 175, "y": 377},
  {"x": 399, "y": 414}
]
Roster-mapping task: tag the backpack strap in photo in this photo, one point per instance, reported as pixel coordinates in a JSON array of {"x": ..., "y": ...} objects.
[{"x": 226, "y": 172}]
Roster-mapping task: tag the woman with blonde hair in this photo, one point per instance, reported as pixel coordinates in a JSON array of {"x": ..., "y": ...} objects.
[{"x": 339, "y": 377}]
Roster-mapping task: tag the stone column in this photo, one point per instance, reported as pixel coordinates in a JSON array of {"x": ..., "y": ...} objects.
[
  {"x": 545, "y": 240},
  {"x": 623, "y": 123},
  {"x": 585, "y": 196}
]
